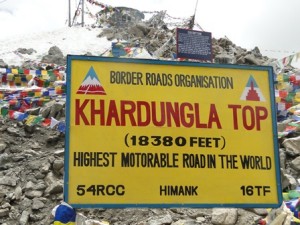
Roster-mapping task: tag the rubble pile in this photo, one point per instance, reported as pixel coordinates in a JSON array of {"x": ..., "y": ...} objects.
[
  {"x": 32, "y": 154},
  {"x": 158, "y": 36},
  {"x": 31, "y": 180}
]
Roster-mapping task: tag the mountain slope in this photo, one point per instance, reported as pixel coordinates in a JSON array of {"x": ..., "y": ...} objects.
[{"x": 70, "y": 40}]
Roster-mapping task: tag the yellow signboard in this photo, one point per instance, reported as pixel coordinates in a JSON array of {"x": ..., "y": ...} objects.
[{"x": 165, "y": 134}]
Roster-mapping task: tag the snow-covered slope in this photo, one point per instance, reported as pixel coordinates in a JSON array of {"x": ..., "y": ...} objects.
[{"x": 70, "y": 40}]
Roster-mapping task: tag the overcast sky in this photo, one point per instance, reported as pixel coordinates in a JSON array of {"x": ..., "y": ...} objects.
[{"x": 271, "y": 25}]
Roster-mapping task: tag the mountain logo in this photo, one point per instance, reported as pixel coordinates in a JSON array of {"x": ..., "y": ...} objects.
[
  {"x": 252, "y": 92},
  {"x": 91, "y": 84}
]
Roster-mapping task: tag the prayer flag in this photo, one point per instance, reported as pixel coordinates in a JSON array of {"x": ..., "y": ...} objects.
[
  {"x": 64, "y": 215},
  {"x": 61, "y": 127},
  {"x": 53, "y": 122}
]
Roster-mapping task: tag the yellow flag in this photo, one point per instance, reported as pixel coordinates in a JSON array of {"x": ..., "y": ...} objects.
[{"x": 30, "y": 120}]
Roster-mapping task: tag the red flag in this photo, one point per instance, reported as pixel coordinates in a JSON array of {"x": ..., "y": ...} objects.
[
  {"x": 46, "y": 122},
  {"x": 11, "y": 114}
]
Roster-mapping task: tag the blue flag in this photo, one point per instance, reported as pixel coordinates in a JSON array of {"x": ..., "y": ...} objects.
[
  {"x": 64, "y": 215},
  {"x": 22, "y": 116},
  {"x": 61, "y": 127}
]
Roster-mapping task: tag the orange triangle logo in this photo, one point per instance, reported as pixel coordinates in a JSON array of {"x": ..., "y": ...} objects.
[{"x": 91, "y": 84}]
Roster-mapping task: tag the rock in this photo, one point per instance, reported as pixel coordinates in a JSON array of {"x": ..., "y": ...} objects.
[
  {"x": 53, "y": 109},
  {"x": 26, "y": 51},
  {"x": 9, "y": 180},
  {"x": 33, "y": 111},
  {"x": 160, "y": 220},
  {"x": 24, "y": 218},
  {"x": 256, "y": 52},
  {"x": 25, "y": 204},
  {"x": 18, "y": 193},
  {"x": 2, "y": 147},
  {"x": 295, "y": 164},
  {"x": 3, "y": 64},
  {"x": 13, "y": 131},
  {"x": 5, "y": 160},
  {"x": 258, "y": 211},
  {"x": 224, "y": 216},
  {"x": 224, "y": 58},
  {"x": 251, "y": 60},
  {"x": 293, "y": 180},
  {"x": 282, "y": 157},
  {"x": 55, "y": 51},
  {"x": 31, "y": 194},
  {"x": 59, "y": 153},
  {"x": 37, "y": 204},
  {"x": 244, "y": 216},
  {"x": 285, "y": 183},
  {"x": 45, "y": 168},
  {"x": 58, "y": 165},
  {"x": 55, "y": 185},
  {"x": 55, "y": 56},
  {"x": 292, "y": 144},
  {"x": 4, "y": 212},
  {"x": 186, "y": 222}
]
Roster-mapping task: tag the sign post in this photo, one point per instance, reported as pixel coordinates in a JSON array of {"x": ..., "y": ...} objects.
[{"x": 149, "y": 133}]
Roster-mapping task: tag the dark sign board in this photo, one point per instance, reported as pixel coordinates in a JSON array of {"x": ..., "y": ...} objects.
[{"x": 194, "y": 44}]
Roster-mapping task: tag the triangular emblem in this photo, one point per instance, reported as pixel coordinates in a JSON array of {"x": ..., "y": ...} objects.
[
  {"x": 91, "y": 84},
  {"x": 252, "y": 92}
]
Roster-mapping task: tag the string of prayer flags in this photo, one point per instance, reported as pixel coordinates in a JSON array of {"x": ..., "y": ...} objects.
[
  {"x": 13, "y": 78},
  {"x": 23, "y": 93},
  {"x": 291, "y": 60},
  {"x": 27, "y": 71},
  {"x": 32, "y": 120},
  {"x": 16, "y": 115},
  {"x": 287, "y": 90}
]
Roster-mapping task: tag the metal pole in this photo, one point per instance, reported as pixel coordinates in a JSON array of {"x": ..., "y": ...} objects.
[
  {"x": 69, "y": 13},
  {"x": 82, "y": 16},
  {"x": 195, "y": 9},
  {"x": 192, "y": 21}
]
